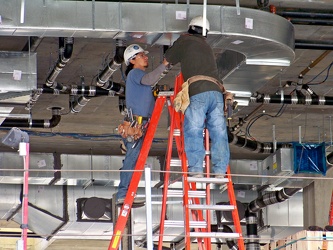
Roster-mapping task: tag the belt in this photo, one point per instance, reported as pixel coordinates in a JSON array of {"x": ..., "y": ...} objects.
[{"x": 206, "y": 78}]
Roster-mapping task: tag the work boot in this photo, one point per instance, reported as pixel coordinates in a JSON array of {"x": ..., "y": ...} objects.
[
  {"x": 137, "y": 202},
  {"x": 195, "y": 174}
]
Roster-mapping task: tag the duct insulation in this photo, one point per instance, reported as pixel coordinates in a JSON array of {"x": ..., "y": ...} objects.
[{"x": 271, "y": 198}]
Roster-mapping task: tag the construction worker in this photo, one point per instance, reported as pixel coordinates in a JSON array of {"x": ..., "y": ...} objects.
[
  {"x": 206, "y": 108},
  {"x": 140, "y": 102}
]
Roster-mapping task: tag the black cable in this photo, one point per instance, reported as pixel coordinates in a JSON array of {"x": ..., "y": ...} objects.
[
  {"x": 254, "y": 119},
  {"x": 328, "y": 68}
]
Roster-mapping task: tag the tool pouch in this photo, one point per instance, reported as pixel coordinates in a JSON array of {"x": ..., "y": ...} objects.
[
  {"x": 126, "y": 130},
  {"x": 182, "y": 99}
]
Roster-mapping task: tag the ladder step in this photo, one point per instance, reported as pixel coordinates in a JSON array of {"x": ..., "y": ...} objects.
[
  {"x": 176, "y": 132},
  {"x": 180, "y": 223},
  {"x": 211, "y": 207},
  {"x": 208, "y": 180},
  {"x": 214, "y": 235},
  {"x": 191, "y": 193},
  {"x": 175, "y": 162}
]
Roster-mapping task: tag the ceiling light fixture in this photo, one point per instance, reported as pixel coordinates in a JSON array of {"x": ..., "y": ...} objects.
[{"x": 268, "y": 62}]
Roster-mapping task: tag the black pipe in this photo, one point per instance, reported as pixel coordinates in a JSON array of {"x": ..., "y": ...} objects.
[
  {"x": 314, "y": 45},
  {"x": 293, "y": 99},
  {"x": 116, "y": 88},
  {"x": 300, "y": 14},
  {"x": 37, "y": 123},
  {"x": 310, "y": 21},
  {"x": 65, "y": 53},
  {"x": 120, "y": 49},
  {"x": 271, "y": 198},
  {"x": 255, "y": 206},
  {"x": 225, "y": 229},
  {"x": 329, "y": 158},
  {"x": 252, "y": 242},
  {"x": 78, "y": 104},
  {"x": 230, "y": 242},
  {"x": 102, "y": 79},
  {"x": 256, "y": 146}
]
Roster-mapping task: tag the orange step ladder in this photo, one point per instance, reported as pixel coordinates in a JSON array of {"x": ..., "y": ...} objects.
[
  {"x": 198, "y": 227},
  {"x": 190, "y": 199},
  {"x": 139, "y": 167}
]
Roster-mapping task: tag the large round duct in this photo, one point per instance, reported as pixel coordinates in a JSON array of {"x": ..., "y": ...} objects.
[{"x": 94, "y": 208}]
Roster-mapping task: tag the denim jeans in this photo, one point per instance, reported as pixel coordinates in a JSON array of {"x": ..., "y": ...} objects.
[
  {"x": 129, "y": 163},
  {"x": 206, "y": 109}
]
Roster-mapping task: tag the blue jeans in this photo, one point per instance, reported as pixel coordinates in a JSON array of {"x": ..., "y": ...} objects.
[
  {"x": 206, "y": 109},
  {"x": 129, "y": 163}
]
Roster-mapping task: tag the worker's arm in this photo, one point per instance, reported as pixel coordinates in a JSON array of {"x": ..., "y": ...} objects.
[{"x": 152, "y": 77}]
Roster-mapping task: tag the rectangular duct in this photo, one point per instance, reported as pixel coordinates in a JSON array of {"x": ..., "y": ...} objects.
[
  {"x": 18, "y": 71},
  {"x": 283, "y": 219},
  {"x": 279, "y": 168},
  {"x": 102, "y": 170},
  {"x": 41, "y": 168}
]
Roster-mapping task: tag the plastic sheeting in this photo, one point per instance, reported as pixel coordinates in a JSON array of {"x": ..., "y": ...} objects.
[{"x": 309, "y": 158}]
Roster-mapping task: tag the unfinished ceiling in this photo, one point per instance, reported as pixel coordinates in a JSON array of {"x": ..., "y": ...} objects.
[{"x": 78, "y": 141}]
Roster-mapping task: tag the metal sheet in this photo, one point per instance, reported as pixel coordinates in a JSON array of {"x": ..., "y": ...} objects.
[{"x": 18, "y": 71}]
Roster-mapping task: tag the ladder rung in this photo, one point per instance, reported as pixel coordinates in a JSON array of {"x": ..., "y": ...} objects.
[
  {"x": 168, "y": 202},
  {"x": 208, "y": 180},
  {"x": 214, "y": 235},
  {"x": 211, "y": 207},
  {"x": 180, "y": 223},
  {"x": 176, "y": 132},
  {"x": 191, "y": 193},
  {"x": 175, "y": 162}
]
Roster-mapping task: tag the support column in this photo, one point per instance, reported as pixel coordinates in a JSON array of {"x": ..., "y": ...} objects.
[{"x": 316, "y": 202}]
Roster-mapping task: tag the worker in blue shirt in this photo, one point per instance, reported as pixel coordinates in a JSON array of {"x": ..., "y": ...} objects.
[{"x": 140, "y": 102}]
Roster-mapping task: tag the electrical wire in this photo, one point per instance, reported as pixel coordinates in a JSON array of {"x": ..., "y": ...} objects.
[
  {"x": 328, "y": 68},
  {"x": 254, "y": 119}
]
